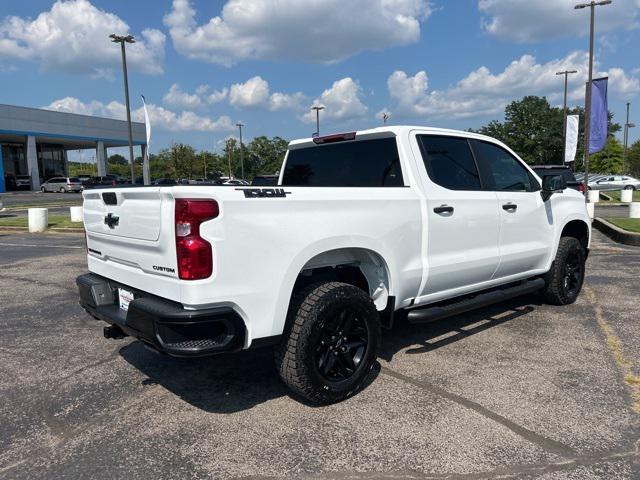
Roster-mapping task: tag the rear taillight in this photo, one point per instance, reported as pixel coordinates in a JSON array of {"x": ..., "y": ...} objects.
[
  {"x": 581, "y": 187},
  {"x": 195, "y": 259}
]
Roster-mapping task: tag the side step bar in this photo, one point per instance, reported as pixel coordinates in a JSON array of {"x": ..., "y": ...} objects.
[{"x": 431, "y": 314}]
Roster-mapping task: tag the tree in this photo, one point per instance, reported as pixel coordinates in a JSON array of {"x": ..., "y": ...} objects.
[
  {"x": 633, "y": 159},
  {"x": 609, "y": 159},
  {"x": 533, "y": 129},
  {"x": 180, "y": 161},
  {"x": 117, "y": 159}
]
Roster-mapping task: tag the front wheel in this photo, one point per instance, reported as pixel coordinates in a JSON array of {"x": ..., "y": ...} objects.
[
  {"x": 565, "y": 279},
  {"x": 43, "y": 190},
  {"x": 330, "y": 343}
]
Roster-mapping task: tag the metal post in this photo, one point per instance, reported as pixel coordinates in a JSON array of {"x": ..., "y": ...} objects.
[
  {"x": 317, "y": 108},
  {"x": 240, "y": 125},
  {"x": 122, "y": 40},
  {"x": 626, "y": 140},
  {"x": 564, "y": 112},
  {"x": 587, "y": 107}
]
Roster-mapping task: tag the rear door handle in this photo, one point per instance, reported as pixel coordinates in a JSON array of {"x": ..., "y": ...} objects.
[
  {"x": 443, "y": 209},
  {"x": 510, "y": 207}
]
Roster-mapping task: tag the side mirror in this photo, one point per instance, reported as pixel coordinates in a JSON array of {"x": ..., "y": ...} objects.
[{"x": 552, "y": 184}]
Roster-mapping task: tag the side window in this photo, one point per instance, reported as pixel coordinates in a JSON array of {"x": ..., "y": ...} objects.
[
  {"x": 449, "y": 162},
  {"x": 502, "y": 171}
]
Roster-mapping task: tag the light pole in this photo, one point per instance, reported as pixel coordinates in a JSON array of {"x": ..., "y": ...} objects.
[
  {"x": 566, "y": 74},
  {"x": 240, "y": 125},
  {"x": 627, "y": 126},
  {"x": 317, "y": 108},
  {"x": 587, "y": 102},
  {"x": 122, "y": 40}
]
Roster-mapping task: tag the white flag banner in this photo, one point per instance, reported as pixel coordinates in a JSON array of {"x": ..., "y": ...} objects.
[
  {"x": 147, "y": 123},
  {"x": 571, "y": 144}
]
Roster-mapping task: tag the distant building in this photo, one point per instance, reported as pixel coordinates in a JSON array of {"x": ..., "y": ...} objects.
[{"x": 35, "y": 142}]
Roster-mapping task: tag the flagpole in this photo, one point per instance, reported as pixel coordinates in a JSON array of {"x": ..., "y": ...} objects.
[{"x": 587, "y": 104}]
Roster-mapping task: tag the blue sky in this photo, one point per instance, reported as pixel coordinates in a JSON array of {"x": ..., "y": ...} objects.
[{"x": 205, "y": 65}]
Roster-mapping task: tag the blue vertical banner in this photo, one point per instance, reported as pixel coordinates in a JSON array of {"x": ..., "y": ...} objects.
[{"x": 599, "y": 115}]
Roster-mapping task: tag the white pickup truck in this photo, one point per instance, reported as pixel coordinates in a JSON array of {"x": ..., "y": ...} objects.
[{"x": 361, "y": 225}]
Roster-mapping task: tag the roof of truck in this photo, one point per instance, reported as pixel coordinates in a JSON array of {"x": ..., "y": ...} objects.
[{"x": 396, "y": 130}]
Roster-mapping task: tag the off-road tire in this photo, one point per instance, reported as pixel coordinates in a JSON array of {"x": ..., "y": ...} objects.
[
  {"x": 557, "y": 291},
  {"x": 312, "y": 311}
]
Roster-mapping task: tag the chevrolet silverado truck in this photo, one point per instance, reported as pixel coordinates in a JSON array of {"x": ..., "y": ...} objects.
[{"x": 361, "y": 227}]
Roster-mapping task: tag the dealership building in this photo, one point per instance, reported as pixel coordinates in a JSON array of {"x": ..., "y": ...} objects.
[{"x": 35, "y": 142}]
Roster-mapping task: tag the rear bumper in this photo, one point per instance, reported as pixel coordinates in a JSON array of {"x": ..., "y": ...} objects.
[{"x": 162, "y": 324}]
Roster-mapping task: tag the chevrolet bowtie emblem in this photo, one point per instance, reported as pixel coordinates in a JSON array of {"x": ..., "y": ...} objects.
[{"x": 111, "y": 220}]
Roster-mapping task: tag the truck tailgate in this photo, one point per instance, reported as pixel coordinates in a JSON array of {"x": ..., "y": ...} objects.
[{"x": 131, "y": 239}]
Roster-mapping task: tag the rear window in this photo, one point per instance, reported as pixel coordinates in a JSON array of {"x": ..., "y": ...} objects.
[
  {"x": 364, "y": 163},
  {"x": 74, "y": 180}
]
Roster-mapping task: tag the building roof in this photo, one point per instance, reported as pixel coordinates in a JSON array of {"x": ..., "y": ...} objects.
[{"x": 72, "y": 130}]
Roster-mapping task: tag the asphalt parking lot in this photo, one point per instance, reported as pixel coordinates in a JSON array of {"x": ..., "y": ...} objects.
[{"x": 518, "y": 390}]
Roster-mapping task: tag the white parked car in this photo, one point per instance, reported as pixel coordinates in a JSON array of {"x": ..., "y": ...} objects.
[
  {"x": 360, "y": 226},
  {"x": 615, "y": 182}
]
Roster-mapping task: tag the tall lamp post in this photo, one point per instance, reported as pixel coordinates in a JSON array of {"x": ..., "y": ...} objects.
[
  {"x": 587, "y": 105},
  {"x": 627, "y": 126},
  {"x": 122, "y": 40},
  {"x": 317, "y": 108},
  {"x": 240, "y": 125},
  {"x": 566, "y": 74}
]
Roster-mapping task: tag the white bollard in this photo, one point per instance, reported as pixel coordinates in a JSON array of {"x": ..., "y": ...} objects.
[
  {"x": 591, "y": 210},
  {"x": 594, "y": 196},
  {"x": 38, "y": 219},
  {"x": 626, "y": 196},
  {"x": 634, "y": 210},
  {"x": 76, "y": 214}
]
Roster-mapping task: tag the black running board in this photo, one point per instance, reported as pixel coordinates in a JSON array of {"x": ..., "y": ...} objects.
[{"x": 432, "y": 313}]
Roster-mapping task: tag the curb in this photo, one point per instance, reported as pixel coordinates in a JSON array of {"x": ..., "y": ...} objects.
[
  {"x": 616, "y": 233},
  {"x": 8, "y": 229}
]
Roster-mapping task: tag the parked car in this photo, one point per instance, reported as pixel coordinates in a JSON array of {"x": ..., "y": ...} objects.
[
  {"x": 615, "y": 182},
  {"x": 562, "y": 170},
  {"x": 84, "y": 179},
  {"x": 431, "y": 222},
  {"x": 62, "y": 185},
  {"x": 265, "y": 180},
  {"x": 101, "y": 181},
  {"x": 164, "y": 181},
  {"x": 23, "y": 182},
  {"x": 235, "y": 181}
]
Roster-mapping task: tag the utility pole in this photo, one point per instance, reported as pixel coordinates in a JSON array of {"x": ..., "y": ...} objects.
[
  {"x": 240, "y": 125},
  {"x": 627, "y": 126},
  {"x": 122, "y": 40},
  {"x": 587, "y": 103},
  {"x": 229, "y": 157},
  {"x": 317, "y": 108},
  {"x": 564, "y": 112}
]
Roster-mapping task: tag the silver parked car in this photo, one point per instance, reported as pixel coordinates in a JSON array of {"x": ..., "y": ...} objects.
[
  {"x": 62, "y": 185},
  {"x": 615, "y": 182}
]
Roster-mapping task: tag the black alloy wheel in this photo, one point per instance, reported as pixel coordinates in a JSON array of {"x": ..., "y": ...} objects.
[{"x": 341, "y": 346}]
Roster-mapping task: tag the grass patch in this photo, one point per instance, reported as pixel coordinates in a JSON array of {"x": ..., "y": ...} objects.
[
  {"x": 615, "y": 196},
  {"x": 55, "y": 221},
  {"x": 628, "y": 224}
]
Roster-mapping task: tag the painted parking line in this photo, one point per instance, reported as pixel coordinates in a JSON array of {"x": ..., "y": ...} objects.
[{"x": 38, "y": 246}]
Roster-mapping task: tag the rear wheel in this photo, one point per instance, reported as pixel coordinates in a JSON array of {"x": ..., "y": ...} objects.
[
  {"x": 565, "y": 279},
  {"x": 330, "y": 343},
  {"x": 629, "y": 187},
  {"x": 63, "y": 190}
]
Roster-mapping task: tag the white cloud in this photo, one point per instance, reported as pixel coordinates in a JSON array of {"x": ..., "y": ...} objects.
[
  {"x": 177, "y": 98},
  {"x": 534, "y": 20},
  {"x": 255, "y": 93},
  {"x": 482, "y": 92},
  {"x": 72, "y": 37},
  {"x": 161, "y": 118},
  {"x": 341, "y": 102},
  {"x": 312, "y": 31}
]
